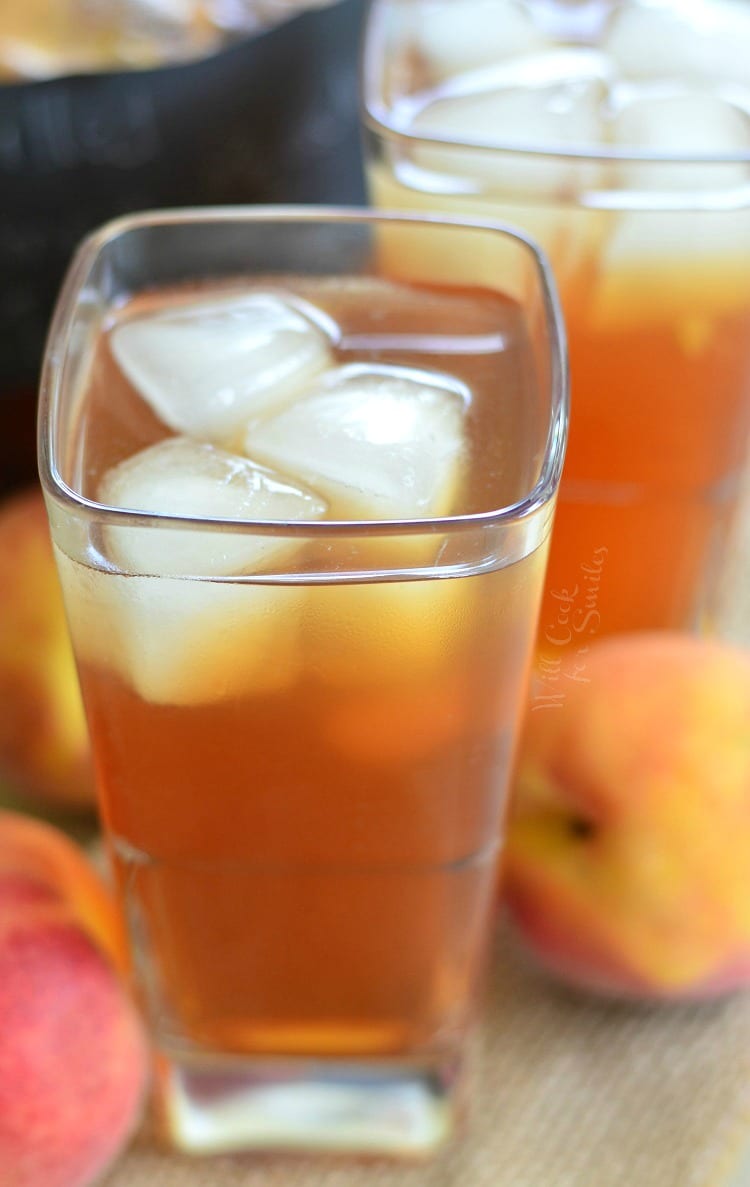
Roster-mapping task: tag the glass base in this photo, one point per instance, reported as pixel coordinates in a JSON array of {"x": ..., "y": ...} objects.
[{"x": 220, "y": 1104}]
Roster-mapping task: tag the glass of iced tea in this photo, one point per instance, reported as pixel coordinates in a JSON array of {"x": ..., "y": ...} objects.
[
  {"x": 300, "y": 489},
  {"x": 618, "y": 135}
]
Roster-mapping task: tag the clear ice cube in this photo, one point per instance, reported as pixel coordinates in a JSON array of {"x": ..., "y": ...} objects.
[
  {"x": 193, "y": 479},
  {"x": 181, "y": 641},
  {"x": 454, "y": 38},
  {"x": 379, "y": 442},
  {"x": 708, "y": 40},
  {"x": 535, "y": 190},
  {"x": 207, "y": 367},
  {"x": 681, "y": 268},
  {"x": 681, "y": 124},
  {"x": 565, "y": 114},
  {"x": 681, "y": 258}
]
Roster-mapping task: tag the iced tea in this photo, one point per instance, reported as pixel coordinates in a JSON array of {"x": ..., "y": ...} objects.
[
  {"x": 618, "y": 136},
  {"x": 302, "y": 732}
]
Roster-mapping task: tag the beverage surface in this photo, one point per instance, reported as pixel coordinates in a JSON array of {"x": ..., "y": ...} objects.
[
  {"x": 391, "y": 401},
  {"x": 302, "y": 781}
]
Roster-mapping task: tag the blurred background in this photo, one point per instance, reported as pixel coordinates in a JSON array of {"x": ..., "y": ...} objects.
[{"x": 112, "y": 106}]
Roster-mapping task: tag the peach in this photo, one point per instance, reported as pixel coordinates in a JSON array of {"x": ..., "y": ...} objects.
[
  {"x": 34, "y": 852},
  {"x": 73, "y": 1056},
  {"x": 628, "y": 852},
  {"x": 44, "y": 747}
]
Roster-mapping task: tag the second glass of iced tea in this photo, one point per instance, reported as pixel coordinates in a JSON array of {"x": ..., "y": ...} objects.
[
  {"x": 618, "y": 135},
  {"x": 300, "y": 495}
]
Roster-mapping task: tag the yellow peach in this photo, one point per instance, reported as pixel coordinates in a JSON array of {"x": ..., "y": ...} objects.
[
  {"x": 43, "y": 741},
  {"x": 73, "y": 1055},
  {"x": 628, "y": 850}
]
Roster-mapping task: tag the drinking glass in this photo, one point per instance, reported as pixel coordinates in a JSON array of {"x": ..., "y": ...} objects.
[
  {"x": 617, "y": 134},
  {"x": 302, "y": 727}
]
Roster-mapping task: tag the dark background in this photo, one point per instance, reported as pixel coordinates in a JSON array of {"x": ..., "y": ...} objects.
[{"x": 272, "y": 119}]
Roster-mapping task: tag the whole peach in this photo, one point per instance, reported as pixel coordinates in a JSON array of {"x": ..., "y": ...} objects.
[
  {"x": 44, "y": 748},
  {"x": 628, "y": 850},
  {"x": 73, "y": 1056},
  {"x": 34, "y": 852}
]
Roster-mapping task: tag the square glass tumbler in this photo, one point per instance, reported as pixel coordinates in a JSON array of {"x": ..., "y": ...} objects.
[
  {"x": 300, "y": 486},
  {"x": 618, "y": 136}
]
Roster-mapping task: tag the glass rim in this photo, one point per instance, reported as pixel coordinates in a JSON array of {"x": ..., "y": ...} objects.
[
  {"x": 64, "y": 318},
  {"x": 375, "y": 115}
]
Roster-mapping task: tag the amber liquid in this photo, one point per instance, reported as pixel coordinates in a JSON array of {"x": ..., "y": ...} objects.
[
  {"x": 660, "y": 422},
  {"x": 658, "y": 435},
  {"x": 307, "y": 861}
]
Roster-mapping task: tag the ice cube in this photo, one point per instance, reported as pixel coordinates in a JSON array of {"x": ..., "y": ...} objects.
[
  {"x": 566, "y": 116},
  {"x": 536, "y": 191},
  {"x": 178, "y": 640},
  {"x": 207, "y": 367},
  {"x": 680, "y": 268},
  {"x": 678, "y": 263},
  {"x": 185, "y": 478},
  {"x": 707, "y": 40},
  {"x": 683, "y": 124},
  {"x": 182, "y": 642},
  {"x": 379, "y": 442},
  {"x": 454, "y": 38}
]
